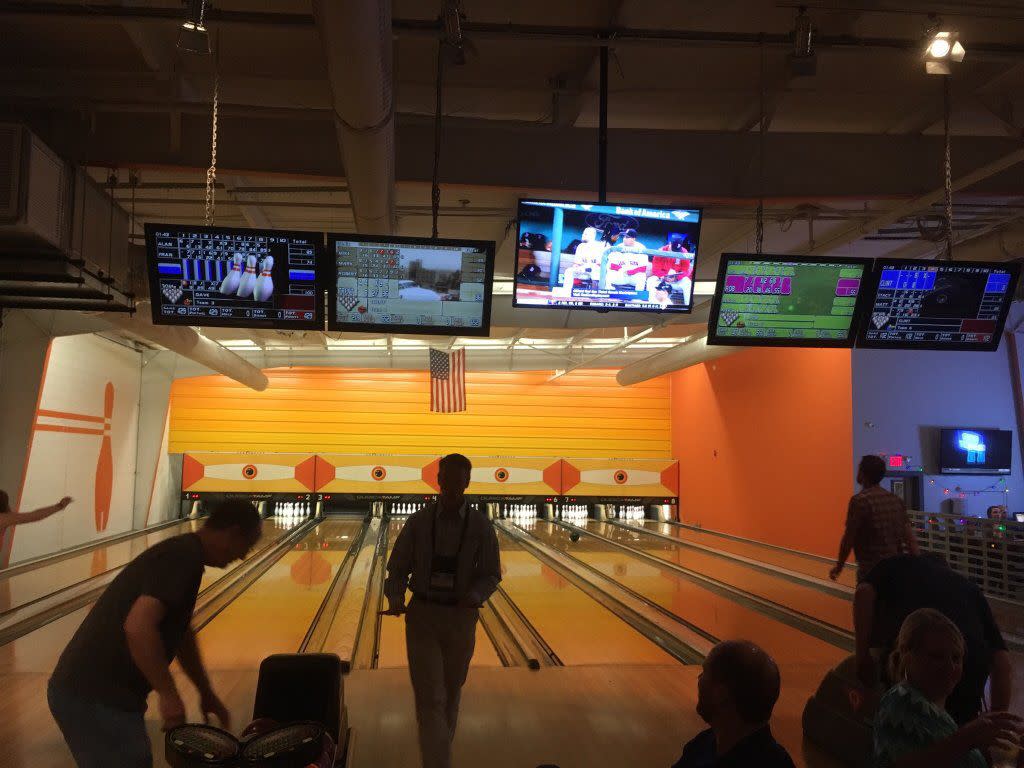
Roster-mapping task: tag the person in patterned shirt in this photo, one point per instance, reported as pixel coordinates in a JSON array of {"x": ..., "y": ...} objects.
[{"x": 877, "y": 525}]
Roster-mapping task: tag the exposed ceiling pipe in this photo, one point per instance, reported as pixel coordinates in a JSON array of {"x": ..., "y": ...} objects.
[
  {"x": 188, "y": 343},
  {"x": 356, "y": 38},
  {"x": 856, "y": 232},
  {"x": 674, "y": 359}
]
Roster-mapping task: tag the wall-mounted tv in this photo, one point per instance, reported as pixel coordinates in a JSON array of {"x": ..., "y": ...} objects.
[
  {"x": 409, "y": 285},
  {"x": 234, "y": 277},
  {"x": 608, "y": 256},
  {"x": 969, "y": 451},
  {"x": 951, "y": 305},
  {"x": 787, "y": 301}
]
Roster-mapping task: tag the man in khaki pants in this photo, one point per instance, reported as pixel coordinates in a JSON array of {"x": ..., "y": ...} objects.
[{"x": 447, "y": 555}]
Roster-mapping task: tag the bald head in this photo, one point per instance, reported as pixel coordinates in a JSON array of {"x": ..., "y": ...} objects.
[{"x": 739, "y": 680}]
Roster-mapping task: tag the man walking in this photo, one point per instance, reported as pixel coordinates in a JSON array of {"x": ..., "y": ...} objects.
[
  {"x": 447, "y": 554},
  {"x": 124, "y": 648},
  {"x": 877, "y": 525}
]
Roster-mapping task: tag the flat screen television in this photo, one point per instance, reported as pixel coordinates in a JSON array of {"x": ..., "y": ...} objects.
[
  {"x": 787, "y": 301},
  {"x": 964, "y": 451},
  {"x": 233, "y": 277},
  {"x": 952, "y": 305},
  {"x": 409, "y": 285},
  {"x": 610, "y": 256}
]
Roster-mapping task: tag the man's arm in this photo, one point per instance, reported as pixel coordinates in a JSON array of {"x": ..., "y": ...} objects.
[
  {"x": 142, "y": 634},
  {"x": 910, "y": 537},
  {"x": 17, "y": 518},
  {"x": 846, "y": 544},
  {"x": 192, "y": 664},
  {"x": 488, "y": 569},
  {"x": 400, "y": 565},
  {"x": 863, "y": 622}
]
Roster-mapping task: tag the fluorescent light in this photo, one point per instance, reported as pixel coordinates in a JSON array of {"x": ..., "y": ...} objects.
[{"x": 704, "y": 288}]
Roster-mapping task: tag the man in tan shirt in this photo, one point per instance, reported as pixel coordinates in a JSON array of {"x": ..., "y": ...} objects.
[
  {"x": 877, "y": 525},
  {"x": 447, "y": 555}
]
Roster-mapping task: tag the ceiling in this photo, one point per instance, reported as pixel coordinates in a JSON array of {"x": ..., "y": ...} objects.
[{"x": 852, "y": 158}]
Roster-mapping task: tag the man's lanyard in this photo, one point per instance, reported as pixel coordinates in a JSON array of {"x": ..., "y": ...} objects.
[{"x": 433, "y": 531}]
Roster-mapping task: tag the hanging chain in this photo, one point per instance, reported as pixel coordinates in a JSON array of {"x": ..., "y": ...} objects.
[
  {"x": 435, "y": 183},
  {"x": 947, "y": 164},
  {"x": 211, "y": 172},
  {"x": 762, "y": 128}
]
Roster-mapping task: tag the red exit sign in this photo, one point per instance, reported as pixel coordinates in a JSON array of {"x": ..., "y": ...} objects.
[{"x": 896, "y": 461}]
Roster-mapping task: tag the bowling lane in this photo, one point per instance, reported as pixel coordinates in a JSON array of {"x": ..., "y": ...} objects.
[
  {"x": 273, "y": 614},
  {"x": 558, "y": 610},
  {"x": 21, "y": 588},
  {"x": 717, "y": 615},
  {"x": 805, "y": 599},
  {"x": 798, "y": 562},
  {"x": 391, "y": 640},
  {"x": 38, "y": 651}
]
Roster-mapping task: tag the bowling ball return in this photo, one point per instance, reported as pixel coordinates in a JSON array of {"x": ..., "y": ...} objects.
[
  {"x": 299, "y": 721},
  {"x": 839, "y": 716}
]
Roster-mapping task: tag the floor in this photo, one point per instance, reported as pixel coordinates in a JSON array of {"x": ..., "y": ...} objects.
[{"x": 620, "y": 699}]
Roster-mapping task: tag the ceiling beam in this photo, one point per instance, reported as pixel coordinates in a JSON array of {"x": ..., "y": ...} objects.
[
  {"x": 611, "y": 350},
  {"x": 253, "y": 214}
]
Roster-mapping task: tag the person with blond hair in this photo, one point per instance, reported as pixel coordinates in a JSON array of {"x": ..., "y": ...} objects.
[{"x": 912, "y": 728}]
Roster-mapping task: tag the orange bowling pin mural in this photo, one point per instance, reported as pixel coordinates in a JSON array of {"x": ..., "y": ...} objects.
[{"x": 105, "y": 464}]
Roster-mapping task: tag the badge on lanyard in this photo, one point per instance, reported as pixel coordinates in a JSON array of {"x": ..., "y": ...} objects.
[{"x": 444, "y": 567}]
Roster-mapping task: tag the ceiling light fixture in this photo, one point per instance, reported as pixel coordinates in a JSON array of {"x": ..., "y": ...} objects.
[
  {"x": 802, "y": 61},
  {"x": 942, "y": 49},
  {"x": 193, "y": 36}
]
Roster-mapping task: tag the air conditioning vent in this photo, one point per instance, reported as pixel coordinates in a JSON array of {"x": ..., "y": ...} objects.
[{"x": 36, "y": 192}]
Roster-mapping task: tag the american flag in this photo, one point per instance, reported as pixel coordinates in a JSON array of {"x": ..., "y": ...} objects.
[{"x": 447, "y": 381}]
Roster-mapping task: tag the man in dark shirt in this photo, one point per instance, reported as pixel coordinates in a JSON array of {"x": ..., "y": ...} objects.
[
  {"x": 736, "y": 692},
  {"x": 124, "y": 648},
  {"x": 897, "y": 587}
]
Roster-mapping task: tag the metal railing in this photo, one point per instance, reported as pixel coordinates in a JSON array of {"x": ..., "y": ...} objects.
[{"x": 988, "y": 552}]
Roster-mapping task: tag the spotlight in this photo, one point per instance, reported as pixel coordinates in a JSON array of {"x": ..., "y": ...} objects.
[
  {"x": 802, "y": 62},
  {"x": 193, "y": 36},
  {"x": 942, "y": 50}
]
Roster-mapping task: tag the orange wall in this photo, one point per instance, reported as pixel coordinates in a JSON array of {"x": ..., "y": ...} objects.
[
  {"x": 764, "y": 440},
  {"x": 325, "y": 410}
]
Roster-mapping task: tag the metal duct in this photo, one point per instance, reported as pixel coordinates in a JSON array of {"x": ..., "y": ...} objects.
[
  {"x": 188, "y": 343},
  {"x": 674, "y": 359},
  {"x": 357, "y": 41}
]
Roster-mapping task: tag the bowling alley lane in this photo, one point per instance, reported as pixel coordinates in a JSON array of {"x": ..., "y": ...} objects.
[
  {"x": 789, "y": 559},
  {"x": 25, "y": 586},
  {"x": 273, "y": 614},
  {"x": 713, "y": 613},
  {"x": 559, "y": 611},
  {"x": 804, "y": 599},
  {"x": 391, "y": 639}
]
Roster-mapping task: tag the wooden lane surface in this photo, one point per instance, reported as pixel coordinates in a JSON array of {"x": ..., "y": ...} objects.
[
  {"x": 805, "y": 599},
  {"x": 28, "y": 735},
  {"x": 561, "y": 612},
  {"x": 391, "y": 651},
  {"x": 719, "y": 616},
  {"x": 798, "y": 562},
  {"x": 26, "y": 586}
]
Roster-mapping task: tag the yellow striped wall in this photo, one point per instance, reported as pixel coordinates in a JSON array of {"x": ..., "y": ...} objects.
[{"x": 324, "y": 410}]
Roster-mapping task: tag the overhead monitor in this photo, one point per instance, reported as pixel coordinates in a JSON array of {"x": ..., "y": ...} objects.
[
  {"x": 952, "y": 305},
  {"x": 969, "y": 451},
  {"x": 410, "y": 285},
  {"x": 610, "y": 256},
  {"x": 234, "y": 277},
  {"x": 787, "y": 301}
]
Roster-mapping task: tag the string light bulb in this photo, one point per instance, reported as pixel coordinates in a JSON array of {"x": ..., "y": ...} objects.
[{"x": 942, "y": 49}]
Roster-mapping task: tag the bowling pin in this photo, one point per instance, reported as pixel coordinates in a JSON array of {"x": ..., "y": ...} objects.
[
  {"x": 265, "y": 283},
  {"x": 105, "y": 464},
  {"x": 231, "y": 280},
  {"x": 248, "y": 281}
]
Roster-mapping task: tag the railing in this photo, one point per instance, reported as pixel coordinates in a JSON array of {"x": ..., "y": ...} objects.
[{"x": 988, "y": 552}]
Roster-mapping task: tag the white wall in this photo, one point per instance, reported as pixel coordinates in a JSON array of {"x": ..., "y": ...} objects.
[{"x": 66, "y": 441}]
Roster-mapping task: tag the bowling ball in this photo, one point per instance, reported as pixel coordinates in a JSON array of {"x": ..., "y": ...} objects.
[{"x": 574, "y": 537}]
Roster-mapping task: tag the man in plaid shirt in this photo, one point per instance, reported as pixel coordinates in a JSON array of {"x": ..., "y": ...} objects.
[{"x": 877, "y": 525}]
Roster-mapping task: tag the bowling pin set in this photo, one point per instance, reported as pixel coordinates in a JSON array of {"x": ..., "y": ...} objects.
[
  {"x": 406, "y": 508},
  {"x": 246, "y": 285},
  {"x": 293, "y": 510},
  {"x": 517, "y": 511},
  {"x": 627, "y": 511},
  {"x": 573, "y": 512}
]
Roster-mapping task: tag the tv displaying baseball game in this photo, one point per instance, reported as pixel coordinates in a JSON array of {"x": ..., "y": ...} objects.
[
  {"x": 607, "y": 256},
  {"x": 787, "y": 301}
]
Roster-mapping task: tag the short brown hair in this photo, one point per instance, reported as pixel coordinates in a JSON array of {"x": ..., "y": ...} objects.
[
  {"x": 456, "y": 459},
  {"x": 750, "y": 675}
]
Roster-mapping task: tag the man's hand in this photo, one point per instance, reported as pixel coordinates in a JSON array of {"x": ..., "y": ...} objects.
[
  {"x": 172, "y": 709},
  {"x": 986, "y": 729},
  {"x": 469, "y": 600},
  {"x": 63, "y": 503},
  {"x": 834, "y": 573},
  {"x": 212, "y": 705},
  {"x": 393, "y": 610}
]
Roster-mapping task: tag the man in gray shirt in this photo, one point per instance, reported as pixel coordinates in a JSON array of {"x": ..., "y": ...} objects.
[
  {"x": 123, "y": 649},
  {"x": 447, "y": 555}
]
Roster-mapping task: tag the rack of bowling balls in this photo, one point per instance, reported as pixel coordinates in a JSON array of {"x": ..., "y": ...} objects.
[{"x": 264, "y": 743}]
